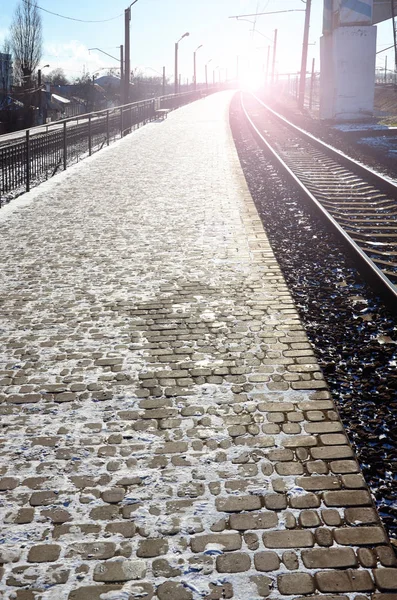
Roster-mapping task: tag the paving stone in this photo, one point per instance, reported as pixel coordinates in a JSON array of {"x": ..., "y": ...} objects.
[
  {"x": 237, "y": 503},
  {"x": 386, "y": 579},
  {"x": 266, "y": 561},
  {"x": 347, "y": 498},
  {"x": 173, "y": 591},
  {"x": 93, "y": 592},
  {"x": 318, "y": 482},
  {"x": 288, "y": 539},
  {"x": 262, "y": 520},
  {"x": 366, "y": 557},
  {"x": 295, "y": 583},
  {"x": 344, "y": 581},
  {"x": 152, "y": 547},
  {"x": 237, "y": 562},
  {"x": 8, "y": 483},
  {"x": 329, "y": 558},
  {"x": 229, "y": 541},
  {"x": 162, "y": 568},
  {"x": 361, "y": 516},
  {"x": 220, "y": 592},
  {"x": 44, "y": 553},
  {"x": 386, "y": 556},
  {"x": 358, "y": 536},
  {"x": 263, "y": 585},
  {"x": 290, "y": 560},
  {"x": 99, "y": 550},
  {"x": 44, "y": 498},
  {"x": 119, "y": 570}
]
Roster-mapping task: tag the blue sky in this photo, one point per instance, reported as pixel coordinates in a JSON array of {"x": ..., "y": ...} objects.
[{"x": 157, "y": 24}]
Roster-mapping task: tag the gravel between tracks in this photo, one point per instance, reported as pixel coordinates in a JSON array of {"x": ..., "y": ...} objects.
[{"x": 354, "y": 336}]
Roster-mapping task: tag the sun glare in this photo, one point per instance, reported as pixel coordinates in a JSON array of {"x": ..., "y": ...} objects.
[{"x": 251, "y": 80}]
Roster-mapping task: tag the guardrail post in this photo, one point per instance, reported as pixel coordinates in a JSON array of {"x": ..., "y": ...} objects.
[
  {"x": 65, "y": 147},
  {"x": 27, "y": 160},
  {"x": 121, "y": 121},
  {"x": 107, "y": 128},
  {"x": 89, "y": 136}
]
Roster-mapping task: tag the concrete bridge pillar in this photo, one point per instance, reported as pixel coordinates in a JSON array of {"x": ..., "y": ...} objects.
[{"x": 348, "y": 53}]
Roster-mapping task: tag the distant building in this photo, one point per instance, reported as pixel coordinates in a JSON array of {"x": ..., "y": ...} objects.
[{"x": 6, "y": 73}]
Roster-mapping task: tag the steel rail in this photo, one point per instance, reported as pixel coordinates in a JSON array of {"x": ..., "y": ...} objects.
[{"x": 383, "y": 285}]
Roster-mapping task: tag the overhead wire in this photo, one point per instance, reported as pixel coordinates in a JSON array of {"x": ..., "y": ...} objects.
[{"x": 73, "y": 18}]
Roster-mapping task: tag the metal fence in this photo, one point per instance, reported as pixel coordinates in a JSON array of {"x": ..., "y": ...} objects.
[{"x": 27, "y": 158}]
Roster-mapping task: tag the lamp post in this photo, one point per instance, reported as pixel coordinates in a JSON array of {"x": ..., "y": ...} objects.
[
  {"x": 127, "y": 74},
  {"x": 194, "y": 67},
  {"x": 206, "y": 72},
  {"x": 176, "y": 61}
]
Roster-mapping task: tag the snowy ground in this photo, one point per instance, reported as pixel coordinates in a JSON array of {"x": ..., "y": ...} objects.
[{"x": 167, "y": 432}]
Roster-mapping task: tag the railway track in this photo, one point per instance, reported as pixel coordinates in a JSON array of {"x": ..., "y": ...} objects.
[{"x": 359, "y": 204}]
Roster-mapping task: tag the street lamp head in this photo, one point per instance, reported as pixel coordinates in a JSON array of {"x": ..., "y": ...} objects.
[
  {"x": 45, "y": 66},
  {"x": 210, "y": 60},
  {"x": 198, "y": 47}
]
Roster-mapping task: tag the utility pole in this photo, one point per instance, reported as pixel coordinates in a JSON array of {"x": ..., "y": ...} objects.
[
  {"x": 176, "y": 69},
  {"x": 121, "y": 72},
  {"x": 238, "y": 68},
  {"x": 393, "y": 9},
  {"x": 267, "y": 64},
  {"x": 302, "y": 81},
  {"x": 312, "y": 84},
  {"x": 163, "y": 81},
  {"x": 127, "y": 18},
  {"x": 274, "y": 54}
]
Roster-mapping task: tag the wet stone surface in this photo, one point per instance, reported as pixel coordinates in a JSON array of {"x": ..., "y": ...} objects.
[{"x": 157, "y": 401}]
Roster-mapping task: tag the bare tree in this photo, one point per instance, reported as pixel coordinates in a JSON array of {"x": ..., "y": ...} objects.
[
  {"x": 26, "y": 39},
  {"x": 56, "y": 77},
  {"x": 6, "y": 67}
]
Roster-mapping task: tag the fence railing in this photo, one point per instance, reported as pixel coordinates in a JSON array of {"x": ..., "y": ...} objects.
[{"x": 32, "y": 156}]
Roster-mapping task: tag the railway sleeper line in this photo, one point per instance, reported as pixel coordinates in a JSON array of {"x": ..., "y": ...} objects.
[{"x": 358, "y": 203}]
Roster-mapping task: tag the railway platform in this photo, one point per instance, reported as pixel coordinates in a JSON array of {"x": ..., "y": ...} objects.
[{"x": 166, "y": 430}]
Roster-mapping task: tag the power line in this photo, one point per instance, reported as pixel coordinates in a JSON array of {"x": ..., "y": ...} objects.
[{"x": 72, "y": 18}]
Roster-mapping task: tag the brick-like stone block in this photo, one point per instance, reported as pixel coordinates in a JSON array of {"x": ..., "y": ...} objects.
[
  {"x": 171, "y": 590},
  {"x": 235, "y": 562},
  {"x": 44, "y": 553},
  {"x": 309, "y": 500},
  {"x": 237, "y": 503},
  {"x": 92, "y": 551},
  {"x": 347, "y": 498},
  {"x": 119, "y": 570},
  {"x": 43, "y": 498},
  {"x": 329, "y": 558},
  {"x": 260, "y": 520},
  {"x": 386, "y": 579},
  {"x": 152, "y": 547},
  {"x": 8, "y": 483},
  {"x": 295, "y": 583},
  {"x": 228, "y": 541},
  {"x": 331, "y": 452},
  {"x": 344, "y": 581},
  {"x": 266, "y": 561},
  {"x": 360, "y": 536},
  {"x": 361, "y": 516},
  {"x": 288, "y": 539},
  {"x": 318, "y": 482}
]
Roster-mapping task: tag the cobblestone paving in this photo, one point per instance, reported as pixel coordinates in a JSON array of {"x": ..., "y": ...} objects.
[{"x": 166, "y": 431}]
